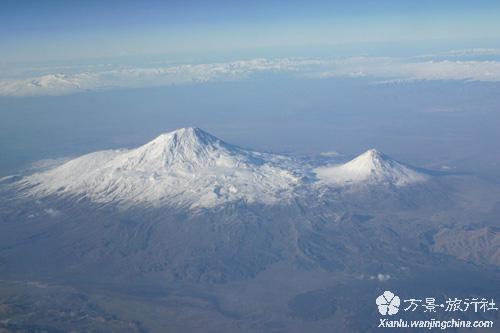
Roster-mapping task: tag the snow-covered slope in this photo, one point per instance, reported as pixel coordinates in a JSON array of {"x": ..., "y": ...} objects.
[
  {"x": 191, "y": 168},
  {"x": 370, "y": 168},
  {"x": 186, "y": 168}
]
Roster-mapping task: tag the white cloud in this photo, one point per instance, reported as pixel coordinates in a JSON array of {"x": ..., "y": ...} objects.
[
  {"x": 52, "y": 212},
  {"x": 381, "y": 277},
  {"x": 379, "y": 68},
  {"x": 452, "y": 70},
  {"x": 330, "y": 154},
  {"x": 474, "y": 52},
  {"x": 463, "y": 54},
  {"x": 394, "y": 70},
  {"x": 63, "y": 84}
]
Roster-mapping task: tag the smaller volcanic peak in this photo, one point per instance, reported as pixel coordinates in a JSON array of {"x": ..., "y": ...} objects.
[
  {"x": 371, "y": 167},
  {"x": 371, "y": 161}
]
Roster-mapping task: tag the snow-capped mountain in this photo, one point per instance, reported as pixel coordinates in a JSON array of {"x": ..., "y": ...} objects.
[
  {"x": 192, "y": 168},
  {"x": 370, "y": 168},
  {"x": 187, "y": 168}
]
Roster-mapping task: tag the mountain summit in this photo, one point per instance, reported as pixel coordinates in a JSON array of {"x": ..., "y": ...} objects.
[
  {"x": 187, "y": 148},
  {"x": 184, "y": 168},
  {"x": 371, "y": 167}
]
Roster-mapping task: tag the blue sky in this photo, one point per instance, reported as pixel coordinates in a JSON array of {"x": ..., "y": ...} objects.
[
  {"x": 52, "y": 31},
  {"x": 416, "y": 79}
]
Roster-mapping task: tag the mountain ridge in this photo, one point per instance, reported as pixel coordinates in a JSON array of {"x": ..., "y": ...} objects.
[{"x": 191, "y": 168}]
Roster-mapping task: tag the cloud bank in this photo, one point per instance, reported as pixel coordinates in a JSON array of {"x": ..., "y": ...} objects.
[
  {"x": 390, "y": 70},
  {"x": 381, "y": 69}
]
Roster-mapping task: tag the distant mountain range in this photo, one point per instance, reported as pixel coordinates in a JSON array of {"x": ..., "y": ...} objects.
[{"x": 192, "y": 168}]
